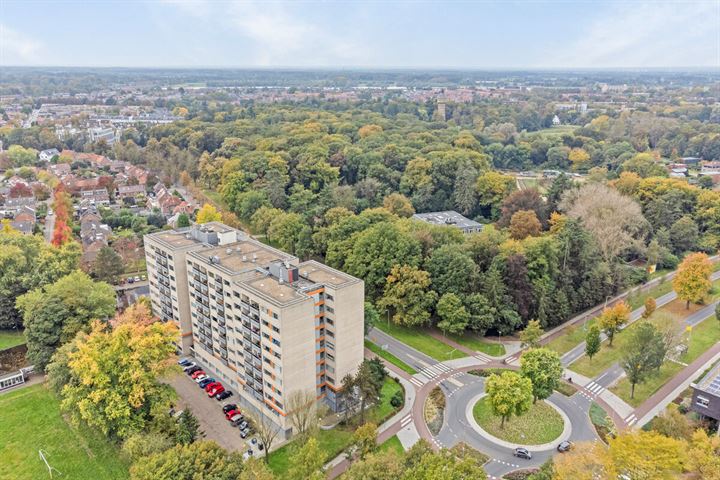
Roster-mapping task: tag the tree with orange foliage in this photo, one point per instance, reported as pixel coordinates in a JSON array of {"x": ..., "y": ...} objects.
[
  {"x": 612, "y": 318},
  {"x": 692, "y": 282},
  {"x": 62, "y": 204}
]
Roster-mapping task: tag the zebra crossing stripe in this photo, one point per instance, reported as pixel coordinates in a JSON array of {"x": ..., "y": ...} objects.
[
  {"x": 631, "y": 419},
  {"x": 416, "y": 381},
  {"x": 405, "y": 421}
]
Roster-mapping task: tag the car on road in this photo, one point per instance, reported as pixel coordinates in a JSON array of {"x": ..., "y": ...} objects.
[
  {"x": 215, "y": 390},
  {"x": 223, "y": 395},
  {"x": 523, "y": 453},
  {"x": 202, "y": 383},
  {"x": 189, "y": 366},
  {"x": 565, "y": 446},
  {"x": 229, "y": 406}
]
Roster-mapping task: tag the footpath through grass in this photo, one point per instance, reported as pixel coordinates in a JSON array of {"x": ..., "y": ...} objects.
[
  {"x": 11, "y": 338},
  {"x": 333, "y": 442},
  {"x": 389, "y": 357},
  {"x": 30, "y": 420},
  {"x": 541, "y": 424},
  {"x": 421, "y": 341}
]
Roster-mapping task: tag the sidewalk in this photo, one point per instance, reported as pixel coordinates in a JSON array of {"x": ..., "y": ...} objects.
[{"x": 668, "y": 392}]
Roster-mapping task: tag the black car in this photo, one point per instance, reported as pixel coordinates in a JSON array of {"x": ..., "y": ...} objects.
[
  {"x": 564, "y": 446},
  {"x": 223, "y": 395},
  {"x": 243, "y": 425},
  {"x": 522, "y": 453},
  {"x": 228, "y": 407},
  {"x": 238, "y": 421},
  {"x": 193, "y": 370},
  {"x": 245, "y": 432}
]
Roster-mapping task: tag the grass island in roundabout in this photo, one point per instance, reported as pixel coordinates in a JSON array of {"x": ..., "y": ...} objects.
[{"x": 540, "y": 425}]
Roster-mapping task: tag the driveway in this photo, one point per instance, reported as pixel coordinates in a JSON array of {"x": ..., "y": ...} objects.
[{"x": 208, "y": 412}]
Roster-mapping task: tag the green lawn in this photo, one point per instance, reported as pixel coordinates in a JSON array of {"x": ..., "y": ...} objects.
[
  {"x": 10, "y": 338},
  {"x": 479, "y": 344},
  {"x": 392, "y": 444},
  {"x": 30, "y": 420},
  {"x": 638, "y": 300},
  {"x": 703, "y": 336},
  {"x": 570, "y": 338},
  {"x": 421, "y": 341},
  {"x": 333, "y": 442},
  {"x": 541, "y": 424},
  {"x": 389, "y": 357}
]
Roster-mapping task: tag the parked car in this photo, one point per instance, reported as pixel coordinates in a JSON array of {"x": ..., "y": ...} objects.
[
  {"x": 229, "y": 406},
  {"x": 189, "y": 366},
  {"x": 564, "y": 446},
  {"x": 193, "y": 370},
  {"x": 215, "y": 391},
  {"x": 183, "y": 362},
  {"x": 245, "y": 432},
  {"x": 197, "y": 373},
  {"x": 130, "y": 280},
  {"x": 522, "y": 453},
  {"x": 210, "y": 386},
  {"x": 231, "y": 413},
  {"x": 238, "y": 421},
  {"x": 223, "y": 395},
  {"x": 260, "y": 446},
  {"x": 137, "y": 278},
  {"x": 253, "y": 440},
  {"x": 202, "y": 383},
  {"x": 244, "y": 425}
]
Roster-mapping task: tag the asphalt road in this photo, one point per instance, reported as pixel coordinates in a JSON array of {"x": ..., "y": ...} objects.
[
  {"x": 697, "y": 317},
  {"x": 457, "y": 429},
  {"x": 407, "y": 354}
]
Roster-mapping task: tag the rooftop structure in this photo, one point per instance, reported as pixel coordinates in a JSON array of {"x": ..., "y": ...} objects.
[
  {"x": 706, "y": 394},
  {"x": 450, "y": 218}
]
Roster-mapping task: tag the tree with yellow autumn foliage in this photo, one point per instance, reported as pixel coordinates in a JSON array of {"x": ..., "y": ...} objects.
[{"x": 692, "y": 282}]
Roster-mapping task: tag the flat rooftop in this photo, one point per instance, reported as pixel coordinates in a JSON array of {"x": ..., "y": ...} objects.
[
  {"x": 318, "y": 273},
  {"x": 269, "y": 286},
  {"x": 239, "y": 257},
  {"x": 448, "y": 218},
  {"x": 174, "y": 238}
]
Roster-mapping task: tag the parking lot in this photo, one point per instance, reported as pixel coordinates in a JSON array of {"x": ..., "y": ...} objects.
[{"x": 209, "y": 413}]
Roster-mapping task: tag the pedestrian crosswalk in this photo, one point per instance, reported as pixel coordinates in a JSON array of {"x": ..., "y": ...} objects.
[
  {"x": 594, "y": 388},
  {"x": 406, "y": 420},
  {"x": 512, "y": 358},
  {"x": 482, "y": 357},
  {"x": 428, "y": 373},
  {"x": 631, "y": 419}
]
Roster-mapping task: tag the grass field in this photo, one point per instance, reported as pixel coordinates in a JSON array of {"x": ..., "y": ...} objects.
[
  {"x": 392, "y": 444},
  {"x": 478, "y": 344},
  {"x": 638, "y": 300},
  {"x": 421, "y": 341},
  {"x": 703, "y": 336},
  {"x": 389, "y": 357},
  {"x": 570, "y": 338},
  {"x": 30, "y": 420},
  {"x": 541, "y": 424},
  {"x": 10, "y": 338},
  {"x": 333, "y": 442}
]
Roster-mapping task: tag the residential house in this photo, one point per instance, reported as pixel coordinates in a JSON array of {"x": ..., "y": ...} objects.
[
  {"x": 706, "y": 394},
  {"x": 129, "y": 191},
  {"x": 47, "y": 155},
  {"x": 98, "y": 196},
  {"x": 93, "y": 234},
  {"x": 60, "y": 169}
]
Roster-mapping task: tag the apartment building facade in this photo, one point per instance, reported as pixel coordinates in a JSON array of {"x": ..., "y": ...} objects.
[{"x": 265, "y": 323}]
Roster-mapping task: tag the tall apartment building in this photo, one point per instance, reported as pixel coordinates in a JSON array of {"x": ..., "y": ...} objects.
[{"x": 263, "y": 322}]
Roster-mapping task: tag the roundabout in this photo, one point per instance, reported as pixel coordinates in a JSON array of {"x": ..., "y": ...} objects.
[{"x": 541, "y": 428}]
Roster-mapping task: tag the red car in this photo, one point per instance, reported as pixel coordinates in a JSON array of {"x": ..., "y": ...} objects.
[
  {"x": 216, "y": 390},
  {"x": 231, "y": 413},
  {"x": 212, "y": 385},
  {"x": 197, "y": 374}
]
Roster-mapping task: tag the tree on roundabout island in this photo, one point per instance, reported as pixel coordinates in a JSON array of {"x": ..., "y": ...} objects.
[
  {"x": 509, "y": 394},
  {"x": 543, "y": 368}
]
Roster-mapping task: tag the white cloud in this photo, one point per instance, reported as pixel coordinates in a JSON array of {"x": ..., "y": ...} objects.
[
  {"x": 660, "y": 34},
  {"x": 278, "y": 34},
  {"x": 17, "y": 48}
]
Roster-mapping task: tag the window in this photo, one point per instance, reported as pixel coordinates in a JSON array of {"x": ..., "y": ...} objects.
[
  {"x": 330, "y": 309},
  {"x": 702, "y": 401},
  {"x": 275, "y": 315},
  {"x": 329, "y": 297}
]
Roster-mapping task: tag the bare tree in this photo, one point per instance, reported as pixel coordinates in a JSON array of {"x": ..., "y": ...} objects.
[
  {"x": 302, "y": 411},
  {"x": 616, "y": 221},
  {"x": 266, "y": 430}
]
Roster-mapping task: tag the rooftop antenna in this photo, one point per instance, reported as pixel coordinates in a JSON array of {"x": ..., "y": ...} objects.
[{"x": 49, "y": 467}]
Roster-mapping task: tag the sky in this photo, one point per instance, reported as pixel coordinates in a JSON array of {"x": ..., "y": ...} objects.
[{"x": 464, "y": 34}]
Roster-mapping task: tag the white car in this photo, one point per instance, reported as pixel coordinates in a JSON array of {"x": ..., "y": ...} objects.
[{"x": 200, "y": 378}]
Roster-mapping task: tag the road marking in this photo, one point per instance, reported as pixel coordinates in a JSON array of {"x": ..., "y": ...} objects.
[
  {"x": 416, "y": 382},
  {"x": 405, "y": 421},
  {"x": 594, "y": 389},
  {"x": 631, "y": 419}
]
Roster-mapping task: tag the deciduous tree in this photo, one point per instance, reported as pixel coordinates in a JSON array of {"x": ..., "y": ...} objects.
[
  {"x": 307, "y": 461},
  {"x": 544, "y": 369},
  {"x": 530, "y": 335},
  {"x": 647, "y": 455},
  {"x": 203, "y": 460},
  {"x": 592, "y": 341},
  {"x": 454, "y": 317},
  {"x": 692, "y": 281},
  {"x": 408, "y": 296},
  {"x": 612, "y": 318},
  {"x": 509, "y": 394},
  {"x": 208, "y": 213},
  {"x": 643, "y": 354},
  {"x": 365, "y": 440},
  {"x": 524, "y": 223}
]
